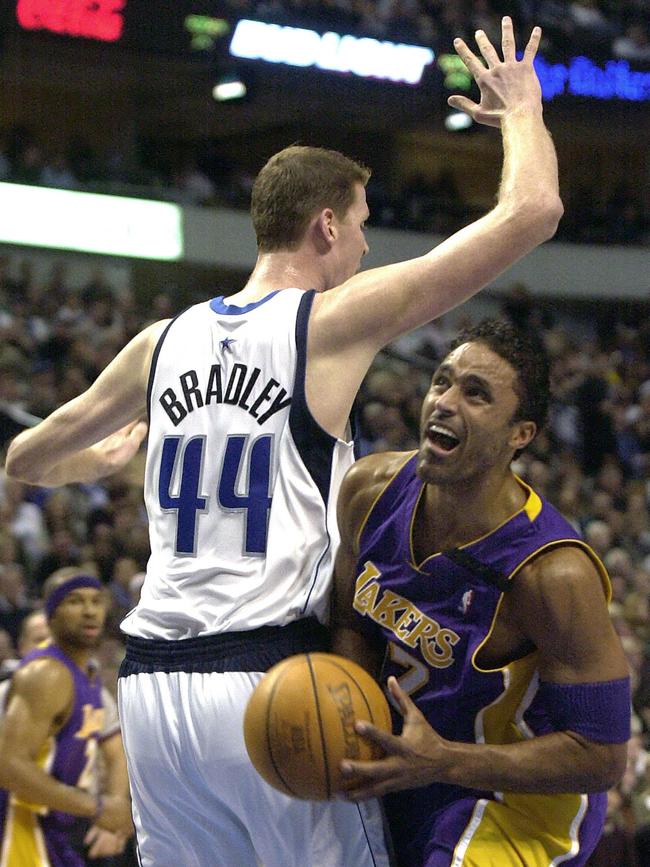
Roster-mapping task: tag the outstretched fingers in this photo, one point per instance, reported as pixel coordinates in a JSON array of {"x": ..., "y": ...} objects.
[
  {"x": 388, "y": 742},
  {"x": 533, "y": 44},
  {"x": 462, "y": 103},
  {"x": 508, "y": 39},
  {"x": 404, "y": 703},
  {"x": 468, "y": 57},
  {"x": 487, "y": 49},
  {"x": 489, "y": 52}
]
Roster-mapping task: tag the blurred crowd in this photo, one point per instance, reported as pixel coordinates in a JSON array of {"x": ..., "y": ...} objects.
[
  {"x": 198, "y": 177},
  {"x": 598, "y": 28},
  {"x": 593, "y": 462}
]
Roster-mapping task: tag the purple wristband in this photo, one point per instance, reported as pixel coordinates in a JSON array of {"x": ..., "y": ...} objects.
[{"x": 599, "y": 711}]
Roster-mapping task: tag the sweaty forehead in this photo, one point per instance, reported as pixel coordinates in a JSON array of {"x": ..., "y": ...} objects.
[{"x": 477, "y": 359}]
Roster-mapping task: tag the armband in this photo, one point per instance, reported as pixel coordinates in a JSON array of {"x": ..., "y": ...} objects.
[{"x": 600, "y": 711}]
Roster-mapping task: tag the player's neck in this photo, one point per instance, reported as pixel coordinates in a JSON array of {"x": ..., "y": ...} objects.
[
  {"x": 459, "y": 513},
  {"x": 81, "y": 656},
  {"x": 282, "y": 269}
]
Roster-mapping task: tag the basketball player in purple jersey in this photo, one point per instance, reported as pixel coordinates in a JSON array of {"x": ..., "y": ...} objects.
[
  {"x": 50, "y": 735},
  {"x": 249, "y": 401},
  {"x": 490, "y": 617}
]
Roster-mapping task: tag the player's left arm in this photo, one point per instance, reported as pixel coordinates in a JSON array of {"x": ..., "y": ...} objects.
[
  {"x": 102, "y": 843},
  {"x": 561, "y": 608},
  {"x": 96, "y": 433}
]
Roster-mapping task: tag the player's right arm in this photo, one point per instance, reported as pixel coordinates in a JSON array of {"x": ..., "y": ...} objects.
[
  {"x": 95, "y": 433},
  {"x": 382, "y": 303},
  {"x": 350, "y": 323},
  {"x": 363, "y": 483},
  {"x": 41, "y": 696}
]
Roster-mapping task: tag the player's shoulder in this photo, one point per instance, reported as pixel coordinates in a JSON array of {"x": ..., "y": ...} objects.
[
  {"x": 152, "y": 332},
  {"x": 146, "y": 340},
  {"x": 375, "y": 469},
  {"x": 561, "y": 568},
  {"x": 366, "y": 479},
  {"x": 43, "y": 681},
  {"x": 563, "y": 579}
]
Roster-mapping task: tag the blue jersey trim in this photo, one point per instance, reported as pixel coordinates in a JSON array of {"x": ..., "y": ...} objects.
[
  {"x": 154, "y": 362},
  {"x": 316, "y": 573},
  {"x": 218, "y": 305},
  {"x": 315, "y": 446}
]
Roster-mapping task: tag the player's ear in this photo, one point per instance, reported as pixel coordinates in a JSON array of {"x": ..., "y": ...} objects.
[
  {"x": 325, "y": 227},
  {"x": 523, "y": 432}
]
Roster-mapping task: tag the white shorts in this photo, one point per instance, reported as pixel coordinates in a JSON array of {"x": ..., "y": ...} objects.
[{"x": 197, "y": 800}]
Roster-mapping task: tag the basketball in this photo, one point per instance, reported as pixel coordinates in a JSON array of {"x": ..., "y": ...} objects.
[{"x": 299, "y": 723}]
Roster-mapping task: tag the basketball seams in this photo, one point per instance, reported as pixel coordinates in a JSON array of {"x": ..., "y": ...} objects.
[
  {"x": 323, "y": 742},
  {"x": 269, "y": 743}
]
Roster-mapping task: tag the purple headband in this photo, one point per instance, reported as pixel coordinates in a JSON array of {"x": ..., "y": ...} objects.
[{"x": 57, "y": 596}]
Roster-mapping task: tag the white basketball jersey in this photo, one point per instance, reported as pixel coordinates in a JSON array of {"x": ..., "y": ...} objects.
[{"x": 241, "y": 482}]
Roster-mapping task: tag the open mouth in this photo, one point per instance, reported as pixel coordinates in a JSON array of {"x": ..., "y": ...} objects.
[{"x": 442, "y": 438}]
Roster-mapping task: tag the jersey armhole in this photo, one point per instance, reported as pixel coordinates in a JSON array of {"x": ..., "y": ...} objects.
[
  {"x": 154, "y": 361},
  {"x": 315, "y": 445}
]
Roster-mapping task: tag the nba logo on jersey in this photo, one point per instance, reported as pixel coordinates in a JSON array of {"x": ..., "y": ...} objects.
[{"x": 466, "y": 601}]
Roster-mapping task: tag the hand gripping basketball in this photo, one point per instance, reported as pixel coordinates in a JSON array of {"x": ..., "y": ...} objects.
[{"x": 299, "y": 723}]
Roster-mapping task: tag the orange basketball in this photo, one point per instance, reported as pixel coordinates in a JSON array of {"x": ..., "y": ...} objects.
[{"x": 299, "y": 723}]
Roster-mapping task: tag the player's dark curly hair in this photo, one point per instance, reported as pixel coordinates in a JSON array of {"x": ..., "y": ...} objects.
[{"x": 525, "y": 352}]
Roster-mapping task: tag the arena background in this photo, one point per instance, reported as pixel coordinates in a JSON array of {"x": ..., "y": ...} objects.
[{"x": 120, "y": 98}]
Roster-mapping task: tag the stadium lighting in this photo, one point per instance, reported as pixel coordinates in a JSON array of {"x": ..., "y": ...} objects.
[
  {"x": 331, "y": 52},
  {"x": 90, "y": 223},
  {"x": 205, "y": 31},
  {"x": 456, "y": 121},
  {"x": 228, "y": 88},
  {"x": 103, "y": 21},
  {"x": 583, "y": 77}
]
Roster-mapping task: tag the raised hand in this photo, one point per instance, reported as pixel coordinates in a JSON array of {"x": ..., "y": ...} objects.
[
  {"x": 505, "y": 85},
  {"x": 414, "y": 758}
]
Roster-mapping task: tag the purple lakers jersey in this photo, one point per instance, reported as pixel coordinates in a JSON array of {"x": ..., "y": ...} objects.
[
  {"x": 33, "y": 835},
  {"x": 435, "y": 617}
]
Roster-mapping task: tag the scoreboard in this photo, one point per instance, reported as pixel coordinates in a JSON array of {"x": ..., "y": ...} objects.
[
  {"x": 102, "y": 20},
  {"x": 168, "y": 26}
]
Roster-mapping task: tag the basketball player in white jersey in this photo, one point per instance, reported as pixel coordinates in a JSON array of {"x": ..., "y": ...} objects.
[{"x": 248, "y": 404}]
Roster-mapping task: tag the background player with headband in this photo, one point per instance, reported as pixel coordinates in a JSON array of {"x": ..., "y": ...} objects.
[
  {"x": 248, "y": 406},
  {"x": 49, "y": 737},
  {"x": 491, "y": 615}
]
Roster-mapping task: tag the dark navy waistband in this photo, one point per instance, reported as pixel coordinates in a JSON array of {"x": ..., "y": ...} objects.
[{"x": 253, "y": 650}]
